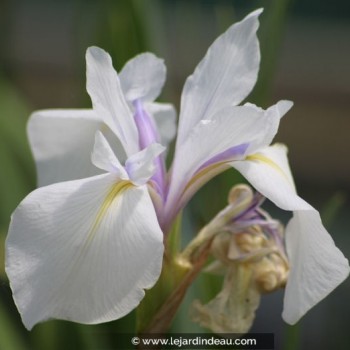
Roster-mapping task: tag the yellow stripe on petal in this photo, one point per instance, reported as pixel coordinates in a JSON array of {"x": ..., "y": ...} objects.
[
  {"x": 258, "y": 157},
  {"x": 201, "y": 174},
  {"x": 115, "y": 192},
  {"x": 202, "y": 177}
]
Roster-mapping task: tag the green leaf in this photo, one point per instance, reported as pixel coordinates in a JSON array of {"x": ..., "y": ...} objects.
[
  {"x": 17, "y": 167},
  {"x": 10, "y": 337},
  {"x": 170, "y": 278},
  {"x": 332, "y": 208}
]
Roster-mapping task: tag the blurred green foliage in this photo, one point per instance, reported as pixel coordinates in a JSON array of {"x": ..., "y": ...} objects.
[
  {"x": 16, "y": 180},
  {"x": 17, "y": 169},
  {"x": 122, "y": 30}
]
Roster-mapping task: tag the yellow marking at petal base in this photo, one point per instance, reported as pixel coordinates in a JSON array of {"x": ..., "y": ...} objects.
[
  {"x": 115, "y": 192},
  {"x": 200, "y": 174},
  {"x": 104, "y": 128},
  {"x": 263, "y": 159}
]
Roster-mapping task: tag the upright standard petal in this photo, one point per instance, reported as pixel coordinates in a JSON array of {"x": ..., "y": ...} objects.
[
  {"x": 164, "y": 115},
  {"x": 61, "y": 142},
  {"x": 317, "y": 266},
  {"x": 224, "y": 77},
  {"x": 146, "y": 127},
  {"x": 143, "y": 77},
  {"x": 108, "y": 100},
  {"x": 83, "y": 250},
  {"x": 227, "y": 136}
]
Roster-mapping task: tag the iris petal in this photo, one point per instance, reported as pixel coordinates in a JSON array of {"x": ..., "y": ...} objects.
[
  {"x": 224, "y": 77},
  {"x": 108, "y": 100},
  {"x": 143, "y": 77},
  {"x": 317, "y": 266},
  {"x": 70, "y": 245},
  {"x": 61, "y": 142}
]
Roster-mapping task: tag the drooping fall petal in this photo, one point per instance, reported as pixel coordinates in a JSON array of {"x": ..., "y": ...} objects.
[
  {"x": 83, "y": 250},
  {"x": 317, "y": 266}
]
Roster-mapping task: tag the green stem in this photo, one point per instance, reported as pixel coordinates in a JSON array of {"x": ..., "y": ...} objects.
[
  {"x": 163, "y": 318},
  {"x": 158, "y": 308},
  {"x": 171, "y": 276},
  {"x": 292, "y": 338}
]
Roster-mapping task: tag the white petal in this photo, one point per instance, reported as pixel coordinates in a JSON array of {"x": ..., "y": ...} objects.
[
  {"x": 283, "y": 107},
  {"x": 272, "y": 118},
  {"x": 108, "y": 100},
  {"x": 164, "y": 115},
  {"x": 141, "y": 166},
  {"x": 83, "y": 250},
  {"x": 269, "y": 172},
  {"x": 143, "y": 77},
  {"x": 317, "y": 265},
  {"x": 104, "y": 158},
  {"x": 227, "y": 135},
  {"x": 224, "y": 77},
  {"x": 62, "y": 142}
]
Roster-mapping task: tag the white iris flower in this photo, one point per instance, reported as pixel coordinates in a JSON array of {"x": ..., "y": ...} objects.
[{"x": 85, "y": 249}]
